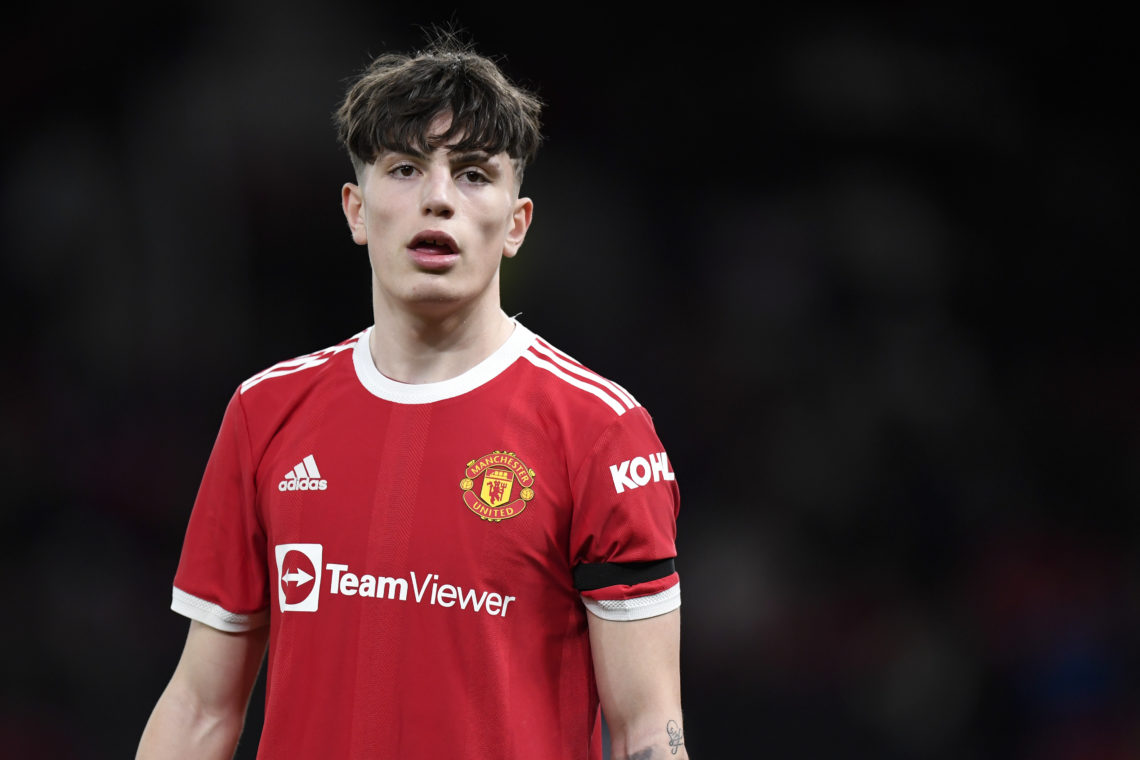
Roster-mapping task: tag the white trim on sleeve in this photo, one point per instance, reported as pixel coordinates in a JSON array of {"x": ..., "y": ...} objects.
[
  {"x": 215, "y": 616},
  {"x": 637, "y": 608}
]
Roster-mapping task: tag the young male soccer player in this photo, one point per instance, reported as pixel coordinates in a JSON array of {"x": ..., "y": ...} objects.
[{"x": 454, "y": 538}]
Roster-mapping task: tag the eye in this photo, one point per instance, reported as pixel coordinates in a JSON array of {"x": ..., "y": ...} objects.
[
  {"x": 402, "y": 170},
  {"x": 474, "y": 176}
]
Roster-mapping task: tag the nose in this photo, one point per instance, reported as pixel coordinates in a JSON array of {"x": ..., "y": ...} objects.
[{"x": 438, "y": 198}]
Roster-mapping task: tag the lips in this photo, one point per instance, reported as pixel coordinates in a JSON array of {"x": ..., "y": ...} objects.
[
  {"x": 433, "y": 251},
  {"x": 432, "y": 242}
]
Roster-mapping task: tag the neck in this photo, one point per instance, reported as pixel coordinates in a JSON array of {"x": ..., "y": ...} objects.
[{"x": 417, "y": 348}]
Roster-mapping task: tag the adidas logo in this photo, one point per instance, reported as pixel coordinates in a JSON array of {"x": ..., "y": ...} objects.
[{"x": 304, "y": 477}]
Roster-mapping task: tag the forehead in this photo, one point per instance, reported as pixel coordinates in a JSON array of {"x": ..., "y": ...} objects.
[
  {"x": 439, "y": 125},
  {"x": 437, "y": 139}
]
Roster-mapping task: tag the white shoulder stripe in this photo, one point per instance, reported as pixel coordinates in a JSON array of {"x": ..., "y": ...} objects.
[
  {"x": 569, "y": 363},
  {"x": 308, "y": 361},
  {"x": 541, "y": 363}
]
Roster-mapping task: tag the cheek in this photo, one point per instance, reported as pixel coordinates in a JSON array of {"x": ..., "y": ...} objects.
[
  {"x": 380, "y": 226},
  {"x": 496, "y": 221},
  {"x": 493, "y": 229}
]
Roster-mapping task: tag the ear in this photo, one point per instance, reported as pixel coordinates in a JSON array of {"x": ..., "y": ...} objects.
[
  {"x": 520, "y": 223},
  {"x": 352, "y": 201}
]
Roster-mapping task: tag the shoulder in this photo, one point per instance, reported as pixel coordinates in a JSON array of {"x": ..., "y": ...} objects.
[
  {"x": 571, "y": 384},
  {"x": 299, "y": 364},
  {"x": 290, "y": 391},
  {"x": 589, "y": 414},
  {"x": 280, "y": 384}
]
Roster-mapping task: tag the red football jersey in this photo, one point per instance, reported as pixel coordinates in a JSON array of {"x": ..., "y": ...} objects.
[{"x": 425, "y": 555}]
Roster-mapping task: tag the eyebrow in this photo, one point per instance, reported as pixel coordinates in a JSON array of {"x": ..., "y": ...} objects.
[{"x": 471, "y": 157}]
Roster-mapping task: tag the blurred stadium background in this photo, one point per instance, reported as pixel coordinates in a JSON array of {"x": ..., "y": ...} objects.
[{"x": 870, "y": 270}]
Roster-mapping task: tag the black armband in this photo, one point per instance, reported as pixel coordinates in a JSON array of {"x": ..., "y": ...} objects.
[{"x": 588, "y": 577}]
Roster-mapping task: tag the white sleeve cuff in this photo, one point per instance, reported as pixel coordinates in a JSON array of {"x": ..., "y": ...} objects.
[
  {"x": 215, "y": 616},
  {"x": 637, "y": 608}
]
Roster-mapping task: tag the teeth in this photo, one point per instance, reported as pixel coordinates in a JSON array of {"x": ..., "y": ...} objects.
[{"x": 434, "y": 242}]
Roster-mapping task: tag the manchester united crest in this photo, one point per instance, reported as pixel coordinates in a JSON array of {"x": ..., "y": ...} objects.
[{"x": 497, "y": 486}]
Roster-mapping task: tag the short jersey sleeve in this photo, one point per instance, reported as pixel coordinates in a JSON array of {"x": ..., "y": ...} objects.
[
  {"x": 222, "y": 578},
  {"x": 623, "y": 533}
]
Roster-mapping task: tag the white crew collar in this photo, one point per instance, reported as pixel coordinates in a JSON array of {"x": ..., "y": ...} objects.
[{"x": 388, "y": 389}]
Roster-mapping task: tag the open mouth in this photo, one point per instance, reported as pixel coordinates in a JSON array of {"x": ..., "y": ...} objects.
[{"x": 434, "y": 243}]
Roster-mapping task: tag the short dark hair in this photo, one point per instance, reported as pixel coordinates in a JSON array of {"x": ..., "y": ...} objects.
[{"x": 391, "y": 106}]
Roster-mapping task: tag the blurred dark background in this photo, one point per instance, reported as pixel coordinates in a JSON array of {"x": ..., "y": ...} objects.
[{"x": 870, "y": 270}]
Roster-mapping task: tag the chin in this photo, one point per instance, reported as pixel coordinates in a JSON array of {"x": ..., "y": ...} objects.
[{"x": 434, "y": 302}]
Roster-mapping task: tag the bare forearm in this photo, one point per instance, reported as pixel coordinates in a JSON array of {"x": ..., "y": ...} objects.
[
  {"x": 637, "y": 664},
  {"x": 202, "y": 710},
  {"x": 179, "y": 728}
]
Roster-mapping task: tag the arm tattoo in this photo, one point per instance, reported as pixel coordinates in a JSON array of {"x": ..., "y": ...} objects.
[{"x": 676, "y": 738}]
